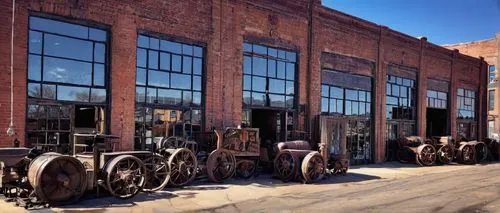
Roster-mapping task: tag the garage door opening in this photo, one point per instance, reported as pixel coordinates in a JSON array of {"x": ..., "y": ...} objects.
[{"x": 437, "y": 122}]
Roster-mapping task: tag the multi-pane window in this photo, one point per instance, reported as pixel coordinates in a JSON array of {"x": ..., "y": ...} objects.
[
  {"x": 436, "y": 99},
  {"x": 491, "y": 70},
  {"x": 268, "y": 76},
  {"x": 168, "y": 73},
  {"x": 400, "y": 98},
  {"x": 343, "y": 101},
  {"x": 466, "y": 104},
  {"x": 66, "y": 62},
  {"x": 491, "y": 99}
]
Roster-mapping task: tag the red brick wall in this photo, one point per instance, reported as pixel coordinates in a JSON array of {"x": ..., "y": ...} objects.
[{"x": 223, "y": 26}]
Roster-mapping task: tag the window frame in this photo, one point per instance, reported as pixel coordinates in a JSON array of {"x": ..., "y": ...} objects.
[
  {"x": 92, "y": 62},
  {"x": 491, "y": 99},
  {"x": 463, "y": 97},
  {"x": 393, "y": 81},
  {"x": 491, "y": 73}
]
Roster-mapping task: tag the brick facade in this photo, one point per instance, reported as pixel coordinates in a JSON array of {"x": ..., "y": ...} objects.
[
  {"x": 489, "y": 49},
  {"x": 304, "y": 26}
]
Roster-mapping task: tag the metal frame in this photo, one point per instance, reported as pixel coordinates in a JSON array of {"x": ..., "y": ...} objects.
[
  {"x": 181, "y": 106},
  {"x": 71, "y": 104}
]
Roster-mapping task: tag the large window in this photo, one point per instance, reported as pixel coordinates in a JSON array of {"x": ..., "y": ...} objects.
[
  {"x": 491, "y": 99},
  {"x": 400, "y": 98},
  {"x": 66, "y": 62},
  {"x": 491, "y": 70},
  {"x": 466, "y": 104},
  {"x": 268, "y": 77},
  {"x": 436, "y": 99},
  {"x": 168, "y": 73},
  {"x": 169, "y": 89},
  {"x": 342, "y": 101}
]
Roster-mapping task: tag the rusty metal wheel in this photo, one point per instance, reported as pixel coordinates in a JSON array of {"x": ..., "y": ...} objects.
[
  {"x": 245, "y": 168},
  {"x": 445, "y": 154},
  {"x": 183, "y": 164},
  {"x": 313, "y": 167},
  {"x": 158, "y": 173},
  {"x": 125, "y": 176},
  {"x": 426, "y": 155},
  {"x": 466, "y": 154},
  {"x": 174, "y": 142},
  {"x": 285, "y": 165},
  {"x": 57, "y": 179},
  {"x": 481, "y": 152},
  {"x": 221, "y": 165}
]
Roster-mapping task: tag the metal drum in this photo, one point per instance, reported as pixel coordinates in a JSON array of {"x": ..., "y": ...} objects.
[
  {"x": 57, "y": 179},
  {"x": 300, "y": 145}
]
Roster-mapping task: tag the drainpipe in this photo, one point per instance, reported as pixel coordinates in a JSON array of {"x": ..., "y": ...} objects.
[{"x": 10, "y": 129}]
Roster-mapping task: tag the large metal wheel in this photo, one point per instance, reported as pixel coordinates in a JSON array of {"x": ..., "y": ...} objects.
[
  {"x": 221, "y": 165},
  {"x": 245, "y": 168},
  {"x": 174, "y": 142},
  {"x": 445, "y": 154},
  {"x": 313, "y": 167},
  {"x": 125, "y": 176},
  {"x": 183, "y": 164},
  {"x": 57, "y": 179},
  {"x": 426, "y": 155},
  {"x": 481, "y": 152},
  {"x": 466, "y": 154},
  {"x": 285, "y": 165},
  {"x": 158, "y": 173}
]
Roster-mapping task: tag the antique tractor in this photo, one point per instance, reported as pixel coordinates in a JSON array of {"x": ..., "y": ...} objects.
[
  {"x": 296, "y": 161},
  {"x": 444, "y": 146},
  {"x": 413, "y": 149},
  {"x": 471, "y": 152}
]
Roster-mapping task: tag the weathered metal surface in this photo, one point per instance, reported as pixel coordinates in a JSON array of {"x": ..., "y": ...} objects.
[
  {"x": 415, "y": 149},
  {"x": 12, "y": 156},
  {"x": 239, "y": 141},
  {"x": 445, "y": 154},
  {"x": 183, "y": 166},
  {"x": 466, "y": 153},
  {"x": 158, "y": 173},
  {"x": 481, "y": 151},
  {"x": 125, "y": 176},
  {"x": 57, "y": 179},
  {"x": 221, "y": 165},
  {"x": 300, "y": 145},
  {"x": 245, "y": 168},
  {"x": 285, "y": 165},
  {"x": 313, "y": 167},
  {"x": 426, "y": 155}
]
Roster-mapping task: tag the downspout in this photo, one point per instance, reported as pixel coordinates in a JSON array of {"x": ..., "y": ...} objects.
[
  {"x": 307, "y": 112},
  {"x": 10, "y": 129}
]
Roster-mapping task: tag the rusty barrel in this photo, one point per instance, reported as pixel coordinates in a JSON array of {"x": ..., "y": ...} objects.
[
  {"x": 57, "y": 179},
  {"x": 410, "y": 141},
  {"x": 295, "y": 145},
  {"x": 466, "y": 153}
]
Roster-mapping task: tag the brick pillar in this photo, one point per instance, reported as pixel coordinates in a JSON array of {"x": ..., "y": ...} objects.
[
  {"x": 379, "y": 105},
  {"x": 483, "y": 105},
  {"x": 453, "y": 97},
  {"x": 123, "y": 63},
  {"x": 422, "y": 92}
]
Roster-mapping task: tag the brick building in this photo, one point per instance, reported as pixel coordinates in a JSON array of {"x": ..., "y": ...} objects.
[
  {"x": 144, "y": 69},
  {"x": 490, "y": 50}
]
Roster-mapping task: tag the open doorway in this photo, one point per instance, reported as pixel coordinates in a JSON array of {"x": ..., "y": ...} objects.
[{"x": 436, "y": 122}]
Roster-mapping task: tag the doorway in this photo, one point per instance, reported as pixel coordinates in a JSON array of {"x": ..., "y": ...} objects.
[{"x": 437, "y": 122}]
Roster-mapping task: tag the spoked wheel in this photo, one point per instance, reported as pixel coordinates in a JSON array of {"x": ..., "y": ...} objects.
[
  {"x": 183, "y": 164},
  {"x": 285, "y": 165},
  {"x": 466, "y": 154},
  {"x": 158, "y": 173},
  {"x": 221, "y": 165},
  {"x": 313, "y": 167},
  {"x": 174, "y": 142},
  {"x": 126, "y": 176},
  {"x": 245, "y": 168},
  {"x": 445, "y": 154},
  {"x": 426, "y": 155}
]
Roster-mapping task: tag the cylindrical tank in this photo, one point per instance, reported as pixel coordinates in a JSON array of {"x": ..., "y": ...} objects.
[{"x": 57, "y": 179}]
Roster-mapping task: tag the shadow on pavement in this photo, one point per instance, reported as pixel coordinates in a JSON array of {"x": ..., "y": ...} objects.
[{"x": 113, "y": 202}]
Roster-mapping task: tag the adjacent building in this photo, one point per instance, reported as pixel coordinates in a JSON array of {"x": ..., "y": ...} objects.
[
  {"x": 490, "y": 50},
  {"x": 148, "y": 69}
]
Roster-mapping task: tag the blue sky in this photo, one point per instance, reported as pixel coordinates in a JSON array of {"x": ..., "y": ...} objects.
[{"x": 441, "y": 21}]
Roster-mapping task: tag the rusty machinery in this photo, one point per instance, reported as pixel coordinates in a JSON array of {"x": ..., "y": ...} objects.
[
  {"x": 471, "y": 152},
  {"x": 413, "y": 149},
  {"x": 295, "y": 160},
  {"x": 34, "y": 178},
  {"x": 444, "y": 148}
]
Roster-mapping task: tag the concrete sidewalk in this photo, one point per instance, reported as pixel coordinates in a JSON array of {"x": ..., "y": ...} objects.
[{"x": 204, "y": 195}]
